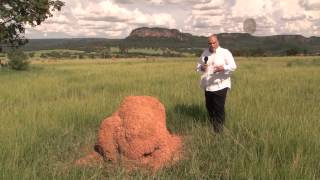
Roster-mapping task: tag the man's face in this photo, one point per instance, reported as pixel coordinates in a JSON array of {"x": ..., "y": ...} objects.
[{"x": 213, "y": 43}]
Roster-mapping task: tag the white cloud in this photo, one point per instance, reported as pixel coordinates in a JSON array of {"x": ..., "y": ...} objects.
[
  {"x": 103, "y": 11},
  {"x": 106, "y": 18},
  {"x": 163, "y": 2},
  {"x": 116, "y": 18},
  {"x": 313, "y": 15},
  {"x": 310, "y": 4},
  {"x": 58, "y": 19},
  {"x": 213, "y": 4},
  {"x": 206, "y": 17},
  {"x": 291, "y": 11},
  {"x": 109, "y": 12},
  {"x": 252, "y": 8}
]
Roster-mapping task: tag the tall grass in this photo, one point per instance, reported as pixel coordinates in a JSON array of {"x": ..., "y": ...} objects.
[{"x": 50, "y": 116}]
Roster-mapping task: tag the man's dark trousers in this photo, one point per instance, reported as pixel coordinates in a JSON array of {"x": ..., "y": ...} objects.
[{"x": 215, "y": 101}]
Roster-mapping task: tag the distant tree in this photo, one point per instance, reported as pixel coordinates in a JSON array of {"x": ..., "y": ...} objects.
[
  {"x": 15, "y": 14},
  {"x": 91, "y": 55},
  {"x": 258, "y": 52},
  {"x": 18, "y": 60},
  {"x": 81, "y": 55},
  {"x": 65, "y": 54},
  {"x": 123, "y": 49},
  {"x": 54, "y": 54},
  {"x": 167, "y": 52},
  {"x": 43, "y": 55},
  {"x": 73, "y": 56},
  {"x": 197, "y": 52},
  {"x": 31, "y": 54},
  {"x": 235, "y": 52},
  {"x": 292, "y": 52},
  {"x": 305, "y": 52},
  {"x": 105, "y": 53}
]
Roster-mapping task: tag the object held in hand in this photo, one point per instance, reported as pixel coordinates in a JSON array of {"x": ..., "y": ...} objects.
[
  {"x": 205, "y": 59},
  {"x": 204, "y": 66}
]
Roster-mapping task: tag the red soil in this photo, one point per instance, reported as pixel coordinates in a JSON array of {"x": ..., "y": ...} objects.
[{"x": 136, "y": 136}]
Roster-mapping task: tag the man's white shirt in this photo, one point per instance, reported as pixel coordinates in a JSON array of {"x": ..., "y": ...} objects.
[{"x": 211, "y": 81}]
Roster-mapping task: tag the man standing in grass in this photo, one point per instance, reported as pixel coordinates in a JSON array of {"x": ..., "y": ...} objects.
[{"x": 216, "y": 65}]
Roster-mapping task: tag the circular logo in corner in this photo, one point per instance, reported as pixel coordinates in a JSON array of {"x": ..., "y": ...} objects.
[{"x": 249, "y": 25}]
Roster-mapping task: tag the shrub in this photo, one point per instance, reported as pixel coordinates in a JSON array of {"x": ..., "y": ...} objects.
[
  {"x": 31, "y": 54},
  {"x": 18, "y": 60}
]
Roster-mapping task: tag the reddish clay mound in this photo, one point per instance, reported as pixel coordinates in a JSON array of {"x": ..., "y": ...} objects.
[{"x": 136, "y": 135}]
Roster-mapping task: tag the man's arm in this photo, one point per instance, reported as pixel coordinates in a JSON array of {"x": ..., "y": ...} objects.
[
  {"x": 230, "y": 64},
  {"x": 201, "y": 66}
]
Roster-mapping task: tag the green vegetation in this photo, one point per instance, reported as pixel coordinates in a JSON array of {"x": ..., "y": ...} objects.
[
  {"x": 16, "y": 14},
  {"x": 240, "y": 44},
  {"x": 18, "y": 60},
  {"x": 106, "y": 53},
  {"x": 50, "y": 116}
]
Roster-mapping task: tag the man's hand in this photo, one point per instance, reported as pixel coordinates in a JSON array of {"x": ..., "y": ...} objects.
[
  {"x": 204, "y": 67},
  {"x": 219, "y": 68}
]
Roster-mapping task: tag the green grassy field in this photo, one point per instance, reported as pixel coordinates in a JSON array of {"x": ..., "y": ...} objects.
[{"x": 50, "y": 116}]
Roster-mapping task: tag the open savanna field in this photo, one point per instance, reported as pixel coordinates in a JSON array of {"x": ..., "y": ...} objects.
[{"x": 51, "y": 113}]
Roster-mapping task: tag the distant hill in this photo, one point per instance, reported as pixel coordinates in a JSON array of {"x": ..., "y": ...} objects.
[
  {"x": 172, "y": 38},
  {"x": 165, "y": 38},
  {"x": 145, "y": 32}
]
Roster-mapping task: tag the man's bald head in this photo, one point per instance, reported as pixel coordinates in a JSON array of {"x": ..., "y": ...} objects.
[
  {"x": 213, "y": 42},
  {"x": 213, "y": 36}
]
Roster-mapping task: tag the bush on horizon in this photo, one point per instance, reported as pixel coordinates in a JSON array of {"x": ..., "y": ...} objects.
[{"x": 18, "y": 60}]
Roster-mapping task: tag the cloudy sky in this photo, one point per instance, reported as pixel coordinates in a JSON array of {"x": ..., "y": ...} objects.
[{"x": 117, "y": 18}]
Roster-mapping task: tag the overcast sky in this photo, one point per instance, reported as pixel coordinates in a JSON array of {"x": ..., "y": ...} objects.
[{"x": 117, "y": 18}]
